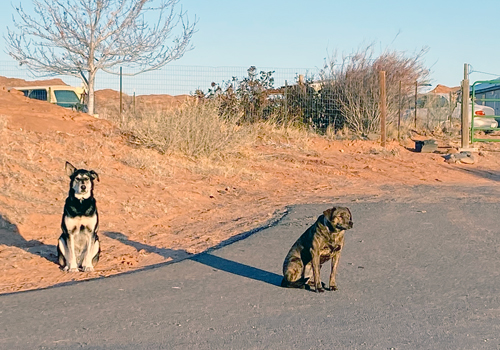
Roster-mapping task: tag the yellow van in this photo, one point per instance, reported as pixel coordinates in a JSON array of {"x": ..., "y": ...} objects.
[{"x": 61, "y": 95}]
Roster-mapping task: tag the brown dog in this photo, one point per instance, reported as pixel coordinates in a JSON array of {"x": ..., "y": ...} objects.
[{"x": 322, "y": 241}]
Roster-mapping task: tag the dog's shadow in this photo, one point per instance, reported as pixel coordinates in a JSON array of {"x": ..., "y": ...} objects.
[
  {"x": 175, "y": 255},
  {"x": 10, "y": 236},
  {"x": 205, "y": 258},
  {"x": 237, "y": 268}
]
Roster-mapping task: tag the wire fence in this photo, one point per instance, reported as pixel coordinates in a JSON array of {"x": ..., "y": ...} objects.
[
  {"x": 170, "y": 80},
  {"x": 264, "y": 92}
]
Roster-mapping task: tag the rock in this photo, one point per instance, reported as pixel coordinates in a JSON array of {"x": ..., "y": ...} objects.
[
  {"x": 469, "y": 159},
  {"x": 426, "y": 146},
  {"x": 462, "y": 157}
]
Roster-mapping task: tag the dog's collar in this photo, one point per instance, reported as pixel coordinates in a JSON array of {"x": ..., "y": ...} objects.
[{"x": 328, "y": 224}]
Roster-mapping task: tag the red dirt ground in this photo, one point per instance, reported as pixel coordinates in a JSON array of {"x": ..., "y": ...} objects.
[{"x": 155, "y": 208}]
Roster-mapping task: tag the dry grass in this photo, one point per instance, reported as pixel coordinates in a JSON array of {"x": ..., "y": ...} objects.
[
  {"x": 195, "y": 130},
  {"x": 273, "y": 132},
  {"x": 198, "y": 132}
]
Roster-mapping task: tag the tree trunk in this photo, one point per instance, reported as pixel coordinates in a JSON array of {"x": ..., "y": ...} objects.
[{"x": 91, "y": 103}]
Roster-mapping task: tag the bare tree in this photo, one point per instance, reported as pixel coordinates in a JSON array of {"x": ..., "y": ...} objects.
[{"x": 80, "y": 37}]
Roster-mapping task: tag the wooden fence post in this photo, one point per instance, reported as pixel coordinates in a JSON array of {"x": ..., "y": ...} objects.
[
  {"x": 383, "y": 108},
  {"x": 465, "y": 108},
  {"x": 399, "y": 109},
  {"x": 416, "y": 98}
]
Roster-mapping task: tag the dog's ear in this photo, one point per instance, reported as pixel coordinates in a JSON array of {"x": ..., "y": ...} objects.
[
  {"x": 70, "y": 169},
  {"x": 330, "y": 214},
  {"x": 94, "y": 175},
  {"x": 350, "y": 214}
]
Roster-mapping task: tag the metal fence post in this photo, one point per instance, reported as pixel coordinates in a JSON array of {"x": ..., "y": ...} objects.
[
  {"x": 286, "y": 100},
  {"x": 121, "y": 105}
]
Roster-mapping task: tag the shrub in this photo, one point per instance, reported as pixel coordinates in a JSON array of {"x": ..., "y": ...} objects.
[
  {"x": 353, "y": 85},
  {"x": 195, "y": 129},
  {"x": 248, "y": 97}
]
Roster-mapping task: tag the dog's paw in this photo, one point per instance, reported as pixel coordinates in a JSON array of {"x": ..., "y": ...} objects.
[
  {"x": 88, "y": 268},
  {"x": 72, "y": 269},
  {"x": 320, "y": 290},
  {"x": 333, "y": 288}
]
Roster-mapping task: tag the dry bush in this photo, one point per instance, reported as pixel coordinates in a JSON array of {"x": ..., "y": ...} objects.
[
  {"x": 198, "y": 131},
  {"x": 195, "y": 129},
  {"x": 353, "y": 84}
]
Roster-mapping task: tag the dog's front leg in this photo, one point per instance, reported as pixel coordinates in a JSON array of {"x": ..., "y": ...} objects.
[
  {"x": 91, "y": 251},
  {"x": 62, "y": 252},
  {"x": 71, "y": 262},
  {"x": 315, "y": 262},
  {"x": 335, "y": 264}
]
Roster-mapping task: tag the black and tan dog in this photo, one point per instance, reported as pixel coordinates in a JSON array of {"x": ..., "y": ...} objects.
[
  {"x": 321, "y": 242},
  {"x": 78, "y": 245}
]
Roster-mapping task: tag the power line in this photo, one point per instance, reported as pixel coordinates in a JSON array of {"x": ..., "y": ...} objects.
[{"x": 471, "y": 70}]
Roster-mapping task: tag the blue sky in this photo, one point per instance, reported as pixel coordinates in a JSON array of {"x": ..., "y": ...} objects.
[{"x": 289, "y": 34}]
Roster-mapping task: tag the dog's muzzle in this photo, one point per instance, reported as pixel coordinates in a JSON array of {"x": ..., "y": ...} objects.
[
  {"x": 81, "y": 190},
  {"x": 345, "y": 226}
]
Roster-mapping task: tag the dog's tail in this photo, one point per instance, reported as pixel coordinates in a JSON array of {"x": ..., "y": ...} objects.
[{"x": 300, "y": 283}]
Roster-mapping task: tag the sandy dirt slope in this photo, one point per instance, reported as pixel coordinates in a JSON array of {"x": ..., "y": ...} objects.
[
  {"x": 154, "y": 209},
  {"x": 108, "y": 99}
]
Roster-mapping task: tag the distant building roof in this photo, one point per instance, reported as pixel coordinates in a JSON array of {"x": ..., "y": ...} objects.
[
  {"x": 442, "y": 89},
  {"x": 487, "y": 86}
]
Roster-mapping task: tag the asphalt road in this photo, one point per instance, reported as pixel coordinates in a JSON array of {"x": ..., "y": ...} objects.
[{"x": 412, "y": 276}]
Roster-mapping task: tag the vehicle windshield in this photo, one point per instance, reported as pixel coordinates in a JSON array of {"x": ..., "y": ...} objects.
[{"x": 66, "y": 96}]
